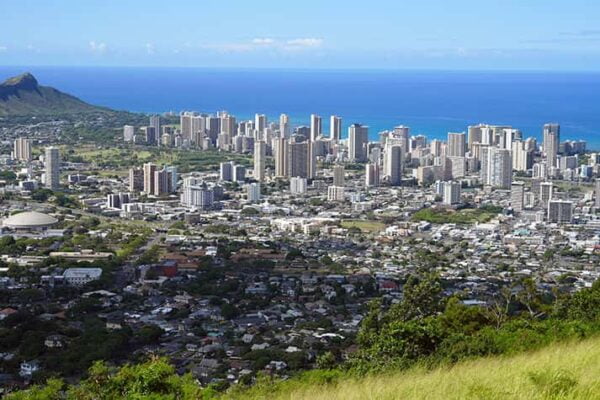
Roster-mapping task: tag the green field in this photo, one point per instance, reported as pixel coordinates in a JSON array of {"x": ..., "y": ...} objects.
[
  {"x": 444, "y": 216},
  {"x": 565, "y": 371},
  {"x": 365, "y": 226}
]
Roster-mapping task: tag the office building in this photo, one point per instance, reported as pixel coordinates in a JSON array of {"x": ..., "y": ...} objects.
[
  {"x": 393, "y": 164},
  {"x": 358, "y": 137},
  {"x": 162, "y": 182},
  {"x": 149, "y": 170},
  {"x": 196, "y": 194},
  {"x": 560, "y": 211},
  {"x": 226, "y": 171},
  {"x": 136, "y": 180},
  {"x": 149, "y": 134},
  {"x": 117, "y": 200},
  {"x": 52, "y": 165},
  {"x": 335, "y": 128},
  {"x": 546, "y": 192},
  {"x": 372, "y": 174},
  {"x": 239, "y": 173},
  {"x": 298, "y": 159}
]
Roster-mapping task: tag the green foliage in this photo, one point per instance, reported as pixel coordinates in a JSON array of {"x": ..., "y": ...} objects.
[{"x": 444, "y": 216}]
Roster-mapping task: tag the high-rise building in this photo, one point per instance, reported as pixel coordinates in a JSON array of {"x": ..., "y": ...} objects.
[
  {"x": 149, "y": 134},
  {"x": 393, "y": 164},
  {"x": 280, "y": 150},
  {"x": 371, "y": 174},
  {"x": 22, "y": 149},
  {"x": 456, "y": 145},
  {"x": 551, "y": 142},
  {"x": 336, "y": 193},
  {"x": 228, "y": 125},
  {"x": 155, "y": 123},
  {"x": 239, "y": 173},
  {"x": 339, "y": 173},
  {"x": 116, "y": 200},
  {"x": 517, "y": 196},
  {"x": 298, "y": 185},
  {"x": 335, "y": 128},
  {"x": 597, "y": 190},
  {"x": 136, "y": 180},
  {"x": 260, "y": 155},
  {"x": 213, "y": 127},
  {"x": 315, "y": 127},
  {"x": 560, "y": 211},
  {"x": 197, "y": 194},
  {"x": 260, "y": 123},
  {"x": 128, "y": 132},
  {"x": 402, "y": 134},
  {"x": 522, "y": 159},
  {"x": 285, "y": 130},
  {"x": 162, "y": 182},
  {"x": 253, "y": 192},
  {"x": 312, "y": 160},
  {"x": 52, "y": 164},
  {"x": 358, "y": 137},
  {"x": 149, "y": 170},
  {"x": 226, "y": 171},
  {"x": 451, "y": 193},
  {"x": 474, "y": 133},
  {"x": 298, "y": 159},
  {"x": 546, "y": 193},
  {"x": 496, "y": 167}
]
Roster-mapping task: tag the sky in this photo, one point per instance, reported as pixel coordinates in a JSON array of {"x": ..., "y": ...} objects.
[{"x": 557, "y": 35}]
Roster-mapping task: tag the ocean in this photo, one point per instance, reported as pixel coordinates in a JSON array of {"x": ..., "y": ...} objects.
[{"x": 432, "y": 103}]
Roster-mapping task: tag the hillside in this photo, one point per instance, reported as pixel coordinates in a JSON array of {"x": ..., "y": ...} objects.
[
  {"x": 22, "y": 95},
  {"x": 560, "y": 371}
]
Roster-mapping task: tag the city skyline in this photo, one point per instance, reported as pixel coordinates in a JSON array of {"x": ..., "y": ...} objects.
[{"x": 383, "y": 34}]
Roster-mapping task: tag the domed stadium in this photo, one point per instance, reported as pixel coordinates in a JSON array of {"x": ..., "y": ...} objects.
[{"x": 29, "y": 220}]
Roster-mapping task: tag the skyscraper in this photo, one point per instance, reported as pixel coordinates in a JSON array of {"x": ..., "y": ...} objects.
[
  {"x": 546, "y": 193},
  {"x": 285, "y": 130},
  {"x": 226, "y": 171},
  {"x": 253, "y": 192},
  {"x": 260, "y": 155},
  {"x": 451, "y": 193},
  {"x": 358, "y": 137},
  {"x": 298, "y": 185},
  {"x": 517, "y": 196},
  {"x": 136, "y": 180},
  {"x": 371, "y": 174},
  {"x": 155, "y": 123},
  {"x": 597, "y": 190},
  {"x": 551, "y": 142},
  {"x": 402, "y": 133},
  {"x": 315, "y": 127},
  {"x": 149, "y": 170},
  {"x": 335, "y": 128},
  {"x": 339, "y": 173},
  {"x": 560, "y": 211},
  {"x": 128, "y": 132},
  {"x": 298, "y": 159},
  {"x": 260, "y": 123},
  {"x": 393, "y": 164},
  {"x": 312, "y": 160},
  {"x": 281, "y": 157},
  {"x": 22, "y": 149},
  {"x": 496, "y": 167},
  {"x": 52, "y": 173},
  {"x": 456, "y": 144},
  {"x": 474, "y": 135}
]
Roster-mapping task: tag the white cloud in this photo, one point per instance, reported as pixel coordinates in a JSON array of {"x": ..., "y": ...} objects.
[
  {"x": 3, "y": 48},
  {"x": 305, "y": 42},
  {"x": 263, "y": 41},
  {"x": 98, "y": 47},
  {"x": 150, "y": 48}
]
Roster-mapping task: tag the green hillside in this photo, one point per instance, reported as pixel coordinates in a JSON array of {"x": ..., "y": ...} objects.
[
  {"x": 560, "y": 371},
  {"x": 22, "y": 95}
]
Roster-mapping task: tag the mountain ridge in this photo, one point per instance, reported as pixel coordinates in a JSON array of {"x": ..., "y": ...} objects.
[{"x": 22, "y": 95}]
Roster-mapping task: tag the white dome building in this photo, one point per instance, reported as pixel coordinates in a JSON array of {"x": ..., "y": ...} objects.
[{"x": 29, "y": 221}]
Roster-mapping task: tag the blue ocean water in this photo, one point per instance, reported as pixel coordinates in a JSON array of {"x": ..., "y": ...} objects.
[{"x": 430, "y": 102}]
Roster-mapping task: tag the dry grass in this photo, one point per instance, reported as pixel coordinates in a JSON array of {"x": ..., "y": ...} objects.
[{"x": 566, "y": 371}]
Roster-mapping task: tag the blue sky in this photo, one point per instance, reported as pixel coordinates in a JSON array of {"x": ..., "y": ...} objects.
[{"x": 432, "y": 34}]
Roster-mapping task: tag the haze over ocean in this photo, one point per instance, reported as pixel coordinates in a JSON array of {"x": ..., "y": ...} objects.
[{"x": 431, "y": 103}]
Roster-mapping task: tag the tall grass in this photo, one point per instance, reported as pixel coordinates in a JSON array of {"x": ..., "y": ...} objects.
[{"x": 560, "y": 371}]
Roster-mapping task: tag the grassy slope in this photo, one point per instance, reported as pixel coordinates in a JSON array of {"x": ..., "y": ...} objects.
[{"x": 562, "y": 371}]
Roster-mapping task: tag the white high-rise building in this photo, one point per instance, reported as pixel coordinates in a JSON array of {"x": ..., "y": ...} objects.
[
  {"x": 280, "y": 150},
  {"x": 517, "y": 196},
  {"x": 358, "y": 137},
  {"x": 475, "y": 136},
  {"x": 253, "y": 192},
  {"x": 260, "y": 156},
  {"x": 285, "y": 130},
  {"x": 456, "y": 144},
  {"x": 22, "y": 149},
  {"x": 402, "y": 133},
  {"x": 298, "y": 185},
  {"x": 451, "y": 193},
  {"x": 496, "y": 167},
  {"x": 128, "y": 133},
  {"x": 315, "y": 127},
  {"x": 155, "y": 123},
  {"x": 551, "y": 142},
  {"x": 336, "y": 193},
  {"x": 335, "y": 128},
  {"x": 597, "y": 190},
  {"x": 52, "y": 164},
  {"x": 393, "y": 164},
  {"x": 260, "y": 123},
  {"x": 521, "y": 158}
]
